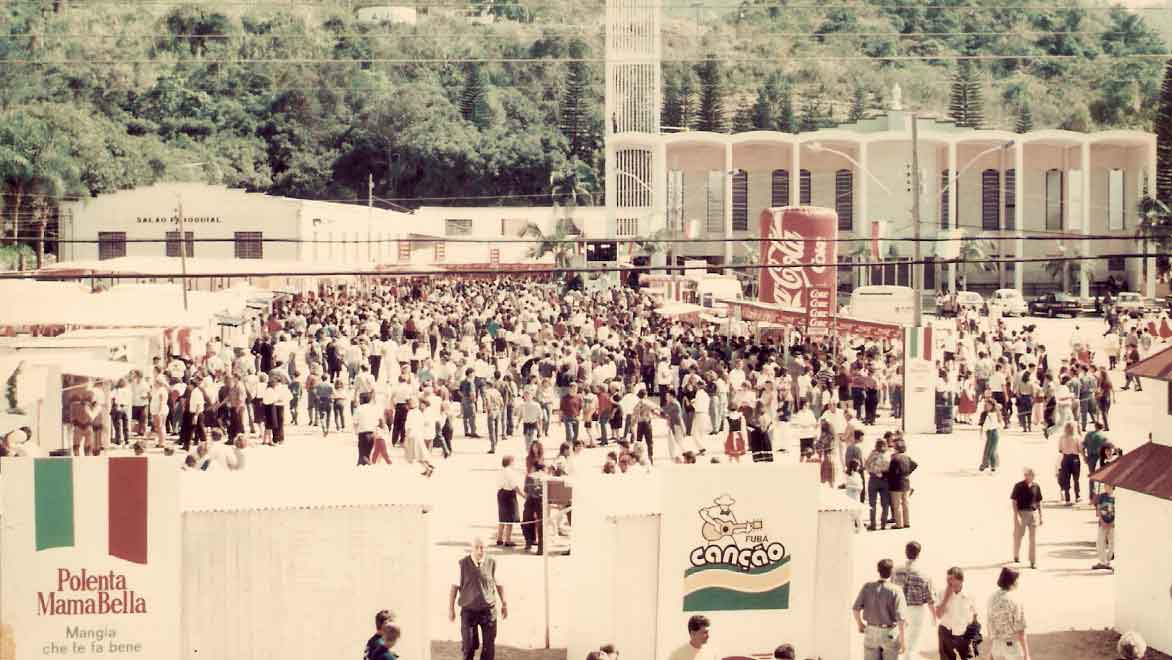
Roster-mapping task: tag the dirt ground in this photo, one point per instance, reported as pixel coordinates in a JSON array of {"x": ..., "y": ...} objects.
[{"x": 1070, "y": 645}]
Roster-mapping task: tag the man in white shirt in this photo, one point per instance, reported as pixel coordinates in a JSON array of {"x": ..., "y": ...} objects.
[
  {"x": 955, "y": 612},
  {"x": 367, "y": 419},
  {"x": 697, "y": 639}
]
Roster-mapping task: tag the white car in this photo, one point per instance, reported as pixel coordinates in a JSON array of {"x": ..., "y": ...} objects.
[
  {"x": 969, "y": 300},
  {"x": 1009, "y": 301}
]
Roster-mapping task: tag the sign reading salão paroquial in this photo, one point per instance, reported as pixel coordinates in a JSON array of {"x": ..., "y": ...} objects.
[
  {"x": 90, "y": 557},
  {"x": 737, "y": 544}
]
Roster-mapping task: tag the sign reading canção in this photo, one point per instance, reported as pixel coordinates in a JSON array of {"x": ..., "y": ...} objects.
[{"x": 90, "y": 557}]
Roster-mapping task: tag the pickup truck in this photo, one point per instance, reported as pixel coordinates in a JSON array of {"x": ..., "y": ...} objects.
[
  {"x": 1056, "y": 304},
  {"x": 1133, "y": 303}
]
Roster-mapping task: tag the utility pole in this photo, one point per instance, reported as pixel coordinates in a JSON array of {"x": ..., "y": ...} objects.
[
  {"x": 182, "y": 250},
  {"x": 369, "y": 217},
  {"x": 917, "y": 261}
]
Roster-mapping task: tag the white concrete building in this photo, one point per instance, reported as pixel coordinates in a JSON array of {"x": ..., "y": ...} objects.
[
  {"x": 144, "y": 223},
  {"x": 1143, "y": 499},
  {"x": 993, "y": 184}
]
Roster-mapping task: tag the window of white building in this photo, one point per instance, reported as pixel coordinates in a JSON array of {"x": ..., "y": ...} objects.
[
  {"x": 740, "y": 201},
  {"x": 1115, "y": 210},
  {"x": 844, "y": 199},
  {"x": 805, "y": 188},
  {"x": 111, "y": 244},
  {"x": 1054, "y": 203},
  {"x": 990, "y": 200},
  {"x": 249, "y": 244},
  {"x": 944, "y": 196},
  {"x": 779, "y": 188},
  {"x": 457, "y": 226},
  {"x": 627, "y": 227},
  {"x": 714, "y": 203},
  {"x": 173, "y": 243},
  {"x": 1010, "y": 199}
]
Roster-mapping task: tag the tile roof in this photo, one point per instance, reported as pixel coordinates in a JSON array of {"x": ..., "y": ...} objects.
[
  {"x": 1158, "y": 366},
  {"x": 1146, "y": 469}
]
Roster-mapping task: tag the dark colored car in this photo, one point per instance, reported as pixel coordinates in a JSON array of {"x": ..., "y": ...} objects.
[{"x": 1056, "y": 304}]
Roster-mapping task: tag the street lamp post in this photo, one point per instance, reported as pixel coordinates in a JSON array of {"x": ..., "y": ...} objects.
[{"x": 183, "y": 234}]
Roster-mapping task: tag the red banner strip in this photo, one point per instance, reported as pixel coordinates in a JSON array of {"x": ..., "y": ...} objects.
[{"x": 128, "y": 508}]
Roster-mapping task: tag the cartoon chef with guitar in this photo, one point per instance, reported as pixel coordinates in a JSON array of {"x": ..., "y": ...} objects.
[{"x": 720, "y": 523}]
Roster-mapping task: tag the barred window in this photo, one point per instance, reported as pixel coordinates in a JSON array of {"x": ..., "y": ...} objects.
[
  {"x": 1115, "y": 206},
  {"x": 458, "y": 227},
  {"x": 111, "y": 244},
  {"x": 1010, "y": 199},
  {"x": 844, "y": 199},
  {"x": 173, "y": 243},
  {"x": 249, "y": 245},
  {"x": 714, "y": 218},
  {"x": 627, "y": 227},
  {"x": 779, "y": 191},
  {"x": 990, "y": 201},
  {"x": 945, "y": 193},
  {"x": 1054, "y": 202},
  {"x": 740, "y": 201},
  {"x": 805, "y": 188}
]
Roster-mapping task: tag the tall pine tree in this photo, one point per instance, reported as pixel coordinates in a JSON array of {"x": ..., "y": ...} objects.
[
  {"x": 965, "y": 105},
  {"x": 743, "y": 119},
  {"x": 787, "y": 116},
  {"x": 764, "y": 114},
  {"x": 574, "y": 123},
  {"x": 678, "y": 103},
  {"x": 711, "y": 111},
  {"x": 858, "y": 104},
  {"x": 1025, "y": 119},
  {"x": 1163, "y": 130},
  {"x": 473, "y": 98}
]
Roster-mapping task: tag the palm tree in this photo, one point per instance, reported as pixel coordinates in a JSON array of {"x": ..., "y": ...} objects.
[
  {"x": 1155, "y": 227},
  {"x": 1063, "y": 267},
  {"x": 549, "y": 244},
  {"x": 572, "y": 185},
  {"x": 975, "y": 251},
  {"x": 655, "y": 243}
]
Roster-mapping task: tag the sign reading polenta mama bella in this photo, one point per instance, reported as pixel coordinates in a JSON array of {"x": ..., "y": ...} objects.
[
  {"x": 90, "y": 557},
  {"x": 737, "y": 544}
]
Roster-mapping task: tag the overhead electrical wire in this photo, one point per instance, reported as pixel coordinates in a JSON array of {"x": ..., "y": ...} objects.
[{"x": 94, "y": 274}]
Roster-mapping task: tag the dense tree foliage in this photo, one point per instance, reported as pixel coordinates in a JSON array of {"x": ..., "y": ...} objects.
[{"x": 308, "y": 100}]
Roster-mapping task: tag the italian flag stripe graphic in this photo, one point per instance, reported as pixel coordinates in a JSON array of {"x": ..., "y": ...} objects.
[
  {"x": 920, "y": 343},
  {"x": 53, "y": 483},
  {"x": 128, "y": 508}
]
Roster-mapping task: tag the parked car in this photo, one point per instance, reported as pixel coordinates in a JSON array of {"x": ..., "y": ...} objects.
[
  {"x": 969, "y": 300},
  {"x": 1129, "y": 302},
  {"x": 1009, "y": 301},
  {"x": 1056, "y": 304}
]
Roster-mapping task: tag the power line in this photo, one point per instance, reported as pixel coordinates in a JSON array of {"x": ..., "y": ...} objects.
[
  {"x": 593, "y": 33},
  {"x": 780, "y": 4},
  {"x": 589, "y": 60},
  {"x": 554, "y": 270},
  {"x": 1038, "y": 235}
]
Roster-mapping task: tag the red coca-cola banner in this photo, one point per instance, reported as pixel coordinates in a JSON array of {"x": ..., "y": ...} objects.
[{"x": 798, "y": 254}]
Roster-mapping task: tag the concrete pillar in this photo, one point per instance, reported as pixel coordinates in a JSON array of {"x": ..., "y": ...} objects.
[
  {"x": 659, "y": 212},
  {"x": 1084, "y": 277},
  {"x": 728, "y": 228},
  {"x": 795, "y": 174},
  {"x": 1019, "y": 213},
  {"x": 952, "y": 215},
  {"x": 1002, "y": 267}
]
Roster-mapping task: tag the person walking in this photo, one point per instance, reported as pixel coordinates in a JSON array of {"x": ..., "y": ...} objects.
[
  {"x": 955, "y": 613},
  {"x": 879, "y": 612},
  {"x": 1092, "y": 445},
  {"x": 990, "y": 423},
  {"x": 1026, "y": 499},
  {"x": 1105, "y": 540},
  {"x": 899, "y": 484},
  {"x": 917, "y": 593},
  {"x": 698, "y": 635},
  {"x": 876, "y": 467},
  {"x": 478, "y": 594},
  {"x": 1068, "y": 451},
  {"x": 1006, "y": 620},
  {"x": 367, "y": 420}
]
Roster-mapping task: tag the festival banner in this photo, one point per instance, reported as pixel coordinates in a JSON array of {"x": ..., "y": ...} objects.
[
  {"x": 737, "y": 545},
  {"x": 801, "y": 238},
  {"x": 90, "y": 557}
]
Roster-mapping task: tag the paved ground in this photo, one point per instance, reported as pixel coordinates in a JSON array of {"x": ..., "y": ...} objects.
[{"x": 960, "y": 515}]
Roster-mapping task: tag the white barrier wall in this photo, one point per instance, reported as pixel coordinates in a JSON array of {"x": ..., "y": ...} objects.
[
  {"x": 616, "y": 565},
  {"x": 272, "y": 584}
]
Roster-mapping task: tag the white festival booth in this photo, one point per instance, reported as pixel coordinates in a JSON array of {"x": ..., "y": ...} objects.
[
  {"x": 762, "y": 549},
  {"x": 133, "y": 558}
]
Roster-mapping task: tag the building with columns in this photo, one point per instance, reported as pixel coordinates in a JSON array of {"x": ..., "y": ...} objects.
[{"x": 1029, "y": 195}]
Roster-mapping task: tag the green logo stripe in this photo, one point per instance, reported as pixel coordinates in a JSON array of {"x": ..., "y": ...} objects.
[
  {"x": 53, "y": 486},
  {"x": 716, "y": 599}
]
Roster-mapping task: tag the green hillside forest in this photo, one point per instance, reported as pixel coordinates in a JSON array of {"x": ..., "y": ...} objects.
[{"x": 305, "y": 99}]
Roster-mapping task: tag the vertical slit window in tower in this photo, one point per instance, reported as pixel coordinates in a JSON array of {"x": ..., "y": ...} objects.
[
  {"x": 945, "y": 192},
  {"x": 990, "y": 201},
  {"x": 1010, "y": 196}
]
